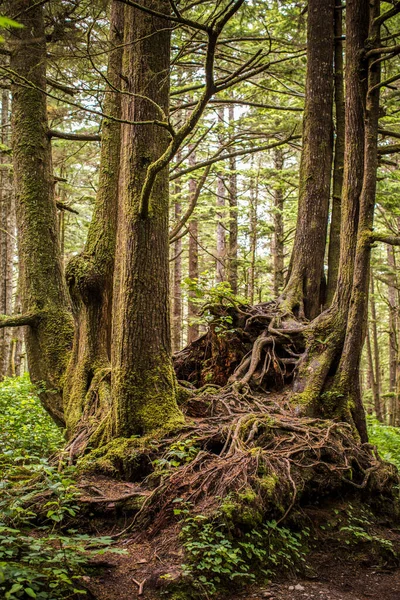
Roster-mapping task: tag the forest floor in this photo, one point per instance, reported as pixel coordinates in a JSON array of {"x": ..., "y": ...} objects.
[
  {"x": 334, "y": 577},
  {"x": 350, "y": 567}
]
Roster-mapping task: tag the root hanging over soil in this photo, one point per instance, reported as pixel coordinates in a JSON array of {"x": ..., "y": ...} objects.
[
  {"x": 250, "y": 450},
  {"x": 260, "y": 345}
]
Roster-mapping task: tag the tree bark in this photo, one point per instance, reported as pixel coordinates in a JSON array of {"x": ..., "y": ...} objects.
[
  {"x": 233, "y": 216},
  {"x": 143, "y": 381},
  {"x": 376, "y": 363},
  {"x": 7, "y": 239},
  {"x": 338, "y": 163},
  {"x": 193, "y": 327},
  {"x": 253, "y": 235},
  {"x": 372, "y": 380},
  {"x": 304, "y": 293},
  {"x": 278, "y": 236},
  {"x": 221, "y": 241},
  {"x": 177, "y": 274},
  {"x": 90, "y": 274},
  {"x": 43, "y": 290},
  {"x": 393, "y": 337}
]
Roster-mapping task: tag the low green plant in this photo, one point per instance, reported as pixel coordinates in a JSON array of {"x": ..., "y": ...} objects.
[
  {"x": 40, "y": 555},
  {"x": 359, "y": 529},
  {"x": 216, "y": 554},
  {"x": 179, "y": 453},
  {"x": 386, "y": 439}
]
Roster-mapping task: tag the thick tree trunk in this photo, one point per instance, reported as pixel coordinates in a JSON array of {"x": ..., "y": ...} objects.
[
  {"x": 338, "y": 163},
  {"x": 348, "y": 372},
  {"x": 90, "y": 274},
  {"x": 278, "y": 236},
  {"x": 304, "y": 293},
  {"x": 233, "y": 216},
  {"x": 43, "y": 290},
  {"x": 143, "y": 380}
]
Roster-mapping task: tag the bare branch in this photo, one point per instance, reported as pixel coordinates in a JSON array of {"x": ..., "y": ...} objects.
[
  {"x": 243, "y": 152},
  {"x": 389, "y": 149},
  {"x": 62, "y": 206},
  {"x": 193, "y": 201},
  {"x": 174, "y": 19},
  {"x": 79, "y": 137}
]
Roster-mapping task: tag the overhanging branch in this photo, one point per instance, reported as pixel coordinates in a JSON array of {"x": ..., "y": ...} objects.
[{"x": 19, "y": 320}]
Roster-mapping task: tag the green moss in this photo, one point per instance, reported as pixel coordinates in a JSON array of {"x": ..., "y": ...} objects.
[
  {"x": 268, "y": 483},
  {"x": 147, "y": 400},
  {"x": 127, "y": 458},
  {"x": 182, "y": 394},
  {"x": 242, "y": 508}
]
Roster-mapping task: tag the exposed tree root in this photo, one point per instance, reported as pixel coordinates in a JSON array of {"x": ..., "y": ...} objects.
[
  {"x": 262, "y": 347},
  {"x": 254, "y": 444}
]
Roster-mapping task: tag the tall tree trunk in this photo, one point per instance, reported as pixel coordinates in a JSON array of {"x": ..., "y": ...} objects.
[
  {"x": 177, "y": 274},
  {"x": 303, "y": 292},
  {"x": 338, "y": 163},
  {"x": 393, "y": 336},
  {"x": 221, "y": 241},
  {"x": 7, "y": 238},
  {"x": 143, "y": 380},
  {"x": 44, "y": 295},
  {"x": 278, "y": 236},
  {"x": 331, "y": 365},
  {"x": 372, "y": 380},
  {"x": 253, "y": 236},
  {"x": 90, "y": 274},
  {"x": 376, "y": 356},
  {"x": 348, "y": 372},
  {"x": 233, "y": 215},
  {"x": 193, "y": 328}
]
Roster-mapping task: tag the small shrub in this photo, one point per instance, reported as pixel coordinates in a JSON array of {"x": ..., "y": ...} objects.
[
  {"x": 216, "y": 555},
  {"x": 40, "y": 556},
  {"x": 386, "y": 439}
]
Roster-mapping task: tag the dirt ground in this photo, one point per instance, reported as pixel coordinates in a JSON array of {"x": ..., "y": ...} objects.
[{"x": 334, "y": 579}]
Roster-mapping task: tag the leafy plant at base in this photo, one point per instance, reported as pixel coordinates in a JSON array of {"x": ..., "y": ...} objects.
[
  {"x": 40, "y": 557},
  {"x": 179, "y": 453},
  {"x": 216, "y": 554},
  {"x": 387, "y": 440}
]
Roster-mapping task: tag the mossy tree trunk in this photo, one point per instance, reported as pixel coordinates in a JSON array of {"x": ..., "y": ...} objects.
[
  {"x": 90, "y": 274},
  {"x": 338, "y": 163},
  {"x": 43, "y": 290},
  {"x": 304, "y": 289},
  {"x": 143, "y": 380}
]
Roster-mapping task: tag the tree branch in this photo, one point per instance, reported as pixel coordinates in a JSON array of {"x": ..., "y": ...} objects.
[
  {"x": 19, "y": 320},
  {"x": 219, "y": 157},
  {"x": 175, "y": 19},
  {"x": 392, "y": 240},
  {"x": 387, "y": 15},
  {"x": 389, "y": 149},
  {"x": 62, "y": 206},
  {"x": 79, "y": 137},
  {"x": 193, "y": 201}
]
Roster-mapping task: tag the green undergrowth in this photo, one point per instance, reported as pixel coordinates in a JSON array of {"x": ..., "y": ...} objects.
[
  {"x": 386, "y": 439},
  {"x": 41, "y": 554},
  {"x": 235, "y": 545}
]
